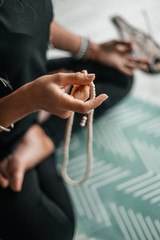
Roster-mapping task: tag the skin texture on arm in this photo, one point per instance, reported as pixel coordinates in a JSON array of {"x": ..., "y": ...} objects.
[
  {"x": 15, "y": 106},
  {"x": 63, "y": 39}
]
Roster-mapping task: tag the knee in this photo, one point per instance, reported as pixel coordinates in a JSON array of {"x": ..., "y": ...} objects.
[{"x": 124, "y": 79}]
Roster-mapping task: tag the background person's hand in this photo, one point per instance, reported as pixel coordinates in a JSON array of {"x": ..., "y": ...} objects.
[
  {"x": 116, "y": 54},
  {"x": 50, "y": 94}
]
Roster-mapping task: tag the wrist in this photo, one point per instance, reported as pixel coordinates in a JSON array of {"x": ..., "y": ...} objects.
[
  {"x": 83, "y": 49},
  {"x": 15, "y": 106},
  {"x": 92, "y": 53},
  {"x": 88, "y": 51},
  {"x": 30, "y": 98}
]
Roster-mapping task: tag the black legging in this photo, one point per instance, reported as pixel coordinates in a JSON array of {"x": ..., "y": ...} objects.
[{"x": 43, "y": 210}]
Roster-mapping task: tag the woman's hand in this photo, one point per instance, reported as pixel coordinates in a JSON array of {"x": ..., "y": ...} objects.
[
  {"x": 48, "y": 93},
  {"x": 116, "y": 54}
]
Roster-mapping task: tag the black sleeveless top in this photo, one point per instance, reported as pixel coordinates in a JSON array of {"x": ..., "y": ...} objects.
[{"x": 24, "y": 35}]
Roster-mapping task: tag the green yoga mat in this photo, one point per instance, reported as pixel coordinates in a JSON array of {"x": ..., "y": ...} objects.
[{"x": 121, "y": 200}]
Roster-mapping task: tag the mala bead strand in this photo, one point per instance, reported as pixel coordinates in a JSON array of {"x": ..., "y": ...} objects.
[
  {"x": 67, "y": 137},
  {"x": 6, "y": 129},
  {"x": 93, "y": 95},
  {"x": 83, "y": 121}
]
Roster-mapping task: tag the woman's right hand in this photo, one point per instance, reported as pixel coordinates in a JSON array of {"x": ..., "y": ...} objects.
[{"x": 48, "y": 93}]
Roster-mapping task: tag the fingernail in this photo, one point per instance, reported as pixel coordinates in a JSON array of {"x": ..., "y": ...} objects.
[
  {"x": 91, "y": 75},
  {"x": 105, "y": 97}
]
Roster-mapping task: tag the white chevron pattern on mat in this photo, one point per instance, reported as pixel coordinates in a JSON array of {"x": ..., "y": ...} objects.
[
  {"x": 151, "y": 127},
  {"x": 83, "y": 237},
  {"x": 109, "y": 131},
  {"x": 121, "y": 199},
  {"x": 148, "y": 152},
  {"x": 86, "y": 198},
  {"x": 134, "y": 226},
  {"x": 146, "y": 186}
]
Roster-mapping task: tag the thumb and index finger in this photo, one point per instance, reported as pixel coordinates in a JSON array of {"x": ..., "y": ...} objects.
[
  {"x": 123, "y": 42},
  {"x": 80, "y": 106},
  {"x": 78, "y": 78},
  {"x": 123, "y": 46}
]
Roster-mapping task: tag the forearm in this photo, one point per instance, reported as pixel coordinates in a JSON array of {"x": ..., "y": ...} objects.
[
  {"x": 16, "y": 105},
  {"x": 63, "y": 39}
]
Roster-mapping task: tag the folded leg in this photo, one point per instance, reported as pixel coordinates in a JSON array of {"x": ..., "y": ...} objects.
[{"x": 35, "y": 213}]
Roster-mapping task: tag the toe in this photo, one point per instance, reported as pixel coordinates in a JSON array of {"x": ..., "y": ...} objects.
[
  {"x": 4, "y": 182},
  {"x": 16, "y": 180}
]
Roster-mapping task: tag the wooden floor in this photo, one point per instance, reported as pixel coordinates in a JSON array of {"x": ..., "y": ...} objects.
[{"x": 91, "y": 18}]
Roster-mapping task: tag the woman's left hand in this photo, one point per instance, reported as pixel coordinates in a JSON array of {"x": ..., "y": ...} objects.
[{"x": 116, "y": 54}]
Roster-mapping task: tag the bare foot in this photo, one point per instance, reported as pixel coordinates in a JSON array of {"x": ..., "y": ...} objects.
[{"x": 34, "y": 147}]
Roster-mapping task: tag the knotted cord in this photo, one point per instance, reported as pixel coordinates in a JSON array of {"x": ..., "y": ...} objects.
[{"x": 67, "y": 138}]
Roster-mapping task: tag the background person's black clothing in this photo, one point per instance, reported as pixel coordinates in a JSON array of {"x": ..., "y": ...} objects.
[{"x": 42, "y": 210}]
